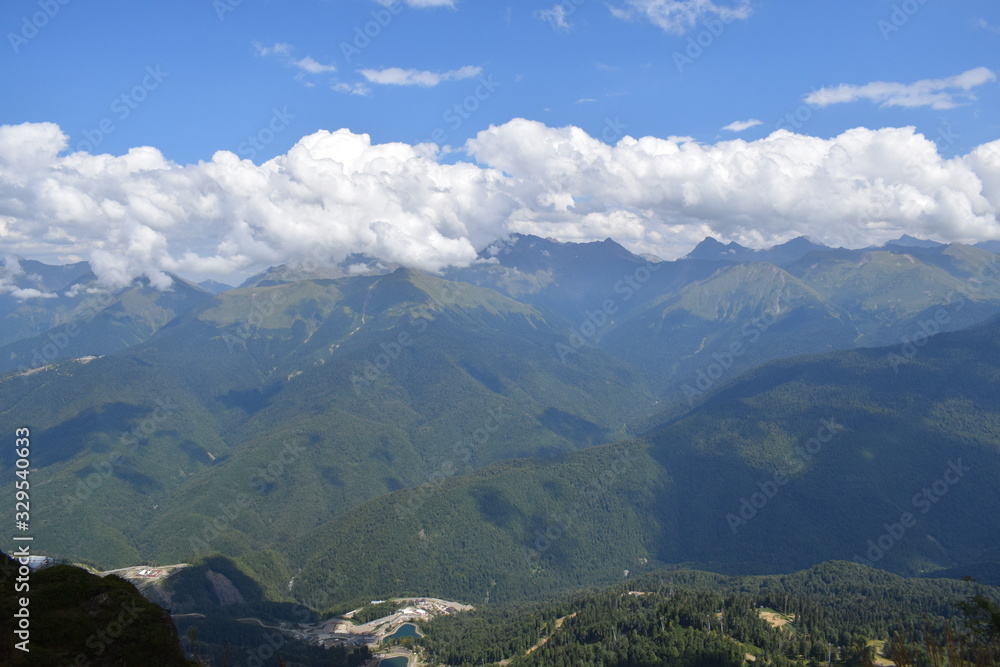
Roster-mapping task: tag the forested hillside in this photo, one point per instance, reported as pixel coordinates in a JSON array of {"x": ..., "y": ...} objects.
[
  {"x": 547, "y": 418},
  {"x": 78, "y": 618},
  {"x": 866, "y": 455},
  {"x": 844, "y": 612}
]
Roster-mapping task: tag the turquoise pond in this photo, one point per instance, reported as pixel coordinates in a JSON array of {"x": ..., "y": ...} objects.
[
  {"x": 405, "y": 630},
  {"x": 393, "y": 662}
]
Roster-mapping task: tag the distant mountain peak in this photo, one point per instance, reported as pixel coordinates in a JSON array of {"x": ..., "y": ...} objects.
[
  {"x": 214, "y": 286},
  {"x": 353, "y": 265},
  {"x": 531, "y": 253},
  {"x": 712, "y": 248},
  {"x": 789, "y": 251},
  {"x": 992, "y": 246},
  {"x": 710, "y": 242},
  {"x": 800, "y": 241},
  {"x": 912, "y": 241}
]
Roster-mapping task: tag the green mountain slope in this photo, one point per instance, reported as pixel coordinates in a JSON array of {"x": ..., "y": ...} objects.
[
  {"x": 833, "y": 611},
  {"x": 747, "y": 314},
  {"x": 870, "y": 454},
  {"x": 78, "y": 618},
  {"x": 24, "y": 316},
  {"x": 712, "y": 329},
  {"x": 78, "y": 323},
  {"x": 888, "y": 291},
  {"x": 303, "y": 425},
  {"x": 271, "y": 410}
]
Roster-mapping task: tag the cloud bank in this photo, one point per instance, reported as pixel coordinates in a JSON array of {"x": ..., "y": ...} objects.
[
  {"x": 944, "y": 93},
  {"x": 335, "y": 193}
]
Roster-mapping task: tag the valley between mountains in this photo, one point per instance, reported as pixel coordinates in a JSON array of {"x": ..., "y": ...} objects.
[{"x": 553, "y": 418}]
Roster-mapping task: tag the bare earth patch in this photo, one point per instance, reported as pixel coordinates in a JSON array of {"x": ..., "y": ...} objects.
[{"x": 776, "y": 620}]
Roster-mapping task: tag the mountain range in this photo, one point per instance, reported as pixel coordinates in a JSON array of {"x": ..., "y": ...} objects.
[{"x": 547, "y": 418}]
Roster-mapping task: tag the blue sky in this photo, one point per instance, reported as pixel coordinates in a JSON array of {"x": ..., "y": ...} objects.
[
  {"x": 219, "y": 89},
  {"x": 190, "y": 78}
]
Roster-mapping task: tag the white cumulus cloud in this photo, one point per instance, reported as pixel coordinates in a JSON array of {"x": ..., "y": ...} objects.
[
  {"x": 397, "y": 76},
  {"x": 335, "y": 193},
  {"x": 663, "y": 195},
  {"x": 944, "y": 93}
]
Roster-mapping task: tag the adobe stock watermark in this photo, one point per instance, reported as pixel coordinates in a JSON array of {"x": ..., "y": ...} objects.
[
  {"x": 560, "y": 523},
  {"x": 21, "y": 584},
  {"x": 722, "y": 363},
  {"x": 262, "y": 481},
  {"x": 319, "y": 598},
  {"x": 55, "y": 344},
  {"x": 255, "y": 143},
  {"x": 944, "y": 138},
  {"x": 261, "y": 309},
  {"x": 58, "y": 339},
  {"x": 302, "y": 613},
  {"x": 699, "y": 43},
  {"x": 224, "y": 7},
  {"x": 923, "y": 500},
  {"x": 927, "y": 329},
  {"x": 878, "y": 210},
  {"x": 462, "y": 454},
  {"x": 100, "y": 641},
  {"x": 259, "y": 656},
  {"x": 797, "y": 118},
  {"x": 259, "y": 312},
  {"x": 267, "y": 476},
  {"x": 613, "y": 130},
  {"x": 461, "y": 111},
  {"x": 31, "y": 25},
  {"x": 128, "y": 442},
  {"x": 875, "y": 213},
  {"x": 595, "y": 321},
  {"x": 992, "y": 151},
  {"x": 901, "y": 13},
  {"x": 556, "y": 15},
  {"x": 751, "y": 506},
  {"x": 930, "y": 327},
  {"x": 122, "y": 107},
  {"x": 742, "y": 171},
  {"x": 364, "y": 35},
  {"x": 378, "y": 363}
]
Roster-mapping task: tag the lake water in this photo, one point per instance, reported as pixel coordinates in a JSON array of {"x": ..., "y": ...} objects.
[
  {"x": 405, "y": 630},
  {"x": 393, "y": 662}
]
